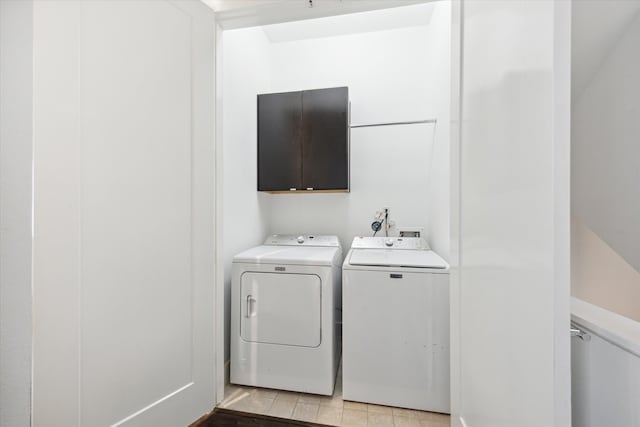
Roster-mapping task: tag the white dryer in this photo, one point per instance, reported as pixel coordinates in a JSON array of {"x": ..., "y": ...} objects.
[
  {"x": 395, "y": 300},
  {"x": 285, "y": 299}
]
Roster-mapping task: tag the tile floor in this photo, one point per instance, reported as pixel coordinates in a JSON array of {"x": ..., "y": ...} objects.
[{"x": 329, "y": 410}]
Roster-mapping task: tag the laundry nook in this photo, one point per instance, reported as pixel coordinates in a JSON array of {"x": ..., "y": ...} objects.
[{"x": 336, "y": 150}]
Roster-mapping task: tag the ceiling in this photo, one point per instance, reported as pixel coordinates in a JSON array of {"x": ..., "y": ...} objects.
[
  {"x": 250, "y": 13},
  {"x": 355, "y": 23},
  {"x": 597, "y": 25},
  {"x": 226, "y": 5}
]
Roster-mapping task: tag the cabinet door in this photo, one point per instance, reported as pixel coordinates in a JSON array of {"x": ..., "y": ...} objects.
[
  {"x": 325, "y": 148},
  {"x": 279, "y": 141}
]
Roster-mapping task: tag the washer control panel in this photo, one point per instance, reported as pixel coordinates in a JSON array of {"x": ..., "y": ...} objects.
[
  {"x": 302, "y": 240},
  {"x": 406, "y": 243}
]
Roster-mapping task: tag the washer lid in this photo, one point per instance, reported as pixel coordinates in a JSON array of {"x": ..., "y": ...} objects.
[
  {"x": 292, "y": 255},
  {"x": 395, "y": 258}
]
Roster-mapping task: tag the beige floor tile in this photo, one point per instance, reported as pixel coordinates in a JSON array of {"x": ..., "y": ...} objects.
[
  {"x": 282, "y": 408},
  {"x": 264, "y": 393},
  {"x": 337, "y": 392},
  {"x": 289, "y": 396},
  {"x": 329, "y": 416},
  {"x": 333, "y": 402},
  {"x": 355, "y": 405},
  {"x": 400, "y": 421},
  {"x": 409, "y": 413},
  {"x": 439, "y": 417},
  {"x": 306, "y": 412},
  {"x": 354, "y": 418},
  {"x": 260, "y": 405},
  {"x": 378, "y": 409},
  {"x": 234, "y": 396},
  {"x": 424, "y": 415},
  {"x": 253, "y": 405},
  {"x": 309, "y": 398},
  {"x": 439, "y": 420},
  {"x": 230, "y": 389},
  {"x": 376, "y": 419},
  {"x": 433, "y": 416}
]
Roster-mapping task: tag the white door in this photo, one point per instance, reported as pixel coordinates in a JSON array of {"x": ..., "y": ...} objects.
[
  {"x": 123, "y": 250},
  {"x": 510, "y": 251}
]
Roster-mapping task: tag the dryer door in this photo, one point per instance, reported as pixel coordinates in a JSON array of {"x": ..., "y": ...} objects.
[{"x": 281, "y": 308}]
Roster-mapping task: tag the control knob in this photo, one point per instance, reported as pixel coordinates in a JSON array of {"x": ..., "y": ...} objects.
[
  {"x": 388, "y": 242},
  {"x": 300, "y": 239}
]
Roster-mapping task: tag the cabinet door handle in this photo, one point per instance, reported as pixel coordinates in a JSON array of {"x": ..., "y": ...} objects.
[
  {"x": 250, "y": 312},
  {"x": 395, "y": 276}
]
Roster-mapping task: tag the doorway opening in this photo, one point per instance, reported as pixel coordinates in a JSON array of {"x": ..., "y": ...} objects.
[{"x": 396, "y": 63}]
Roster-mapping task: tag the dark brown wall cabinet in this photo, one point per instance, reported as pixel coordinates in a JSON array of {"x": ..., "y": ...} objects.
[{"x": 303, "y": 140}]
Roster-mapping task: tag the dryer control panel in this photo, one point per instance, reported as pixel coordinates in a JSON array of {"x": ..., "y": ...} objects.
[
  {"x": 406, "y": 243},
  {"x": 302, "y": 240}
]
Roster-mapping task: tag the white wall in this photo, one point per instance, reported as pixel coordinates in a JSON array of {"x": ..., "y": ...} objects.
[
  {"x": 510, "y": 275},
  {"x": 394, "y": 75},
  {"x": 600, "y": 275},
  {"x": 438, "y": 198},
  {"x": 605, "y": 176},
  {"x": 596, "y": 26},
  {"x": 16, "y": 50},
  {"x": 245, "y": 73}
]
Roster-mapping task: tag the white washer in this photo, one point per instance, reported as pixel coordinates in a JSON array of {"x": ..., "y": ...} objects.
[
  {"x": 395, "y": 300},
  {"x": 284, "y": 301}
]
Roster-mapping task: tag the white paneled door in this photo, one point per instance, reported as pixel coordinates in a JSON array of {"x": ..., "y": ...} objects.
[{"x": 123, "y": 249}]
